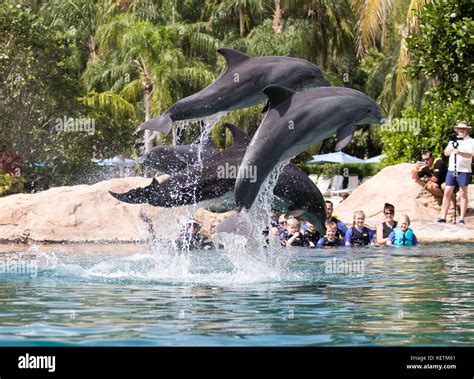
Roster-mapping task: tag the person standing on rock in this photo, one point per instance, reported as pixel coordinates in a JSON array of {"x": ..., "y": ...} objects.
[
  {"x": 432, "y": 172},
  {"x": 460, "y": 155}
]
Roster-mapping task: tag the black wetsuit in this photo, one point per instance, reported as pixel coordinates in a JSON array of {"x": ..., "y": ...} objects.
[
  {"x": 335, "y": 242},
  {"x": 313, "y": 237},
  {"x": 360, "y": 238},
  {"x": 439, "y": 170},
  {"x": 301, "y": 240},
  {"x": 387, "y": 229},
  {"x": 193, "y": 241}
]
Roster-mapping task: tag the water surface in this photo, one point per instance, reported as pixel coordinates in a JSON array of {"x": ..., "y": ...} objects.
[{"x": 151, "y": 295}]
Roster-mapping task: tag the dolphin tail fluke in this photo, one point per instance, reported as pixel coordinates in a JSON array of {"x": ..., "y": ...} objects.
[
  {"x": 140, "y": 195},
  {"x": 238, "y": 223},
  {"x": 161, "y": 124},
  {"x": 130, "y": 197}
]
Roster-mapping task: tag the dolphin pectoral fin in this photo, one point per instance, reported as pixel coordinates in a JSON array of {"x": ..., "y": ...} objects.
[
  {"x": 239, "y": 136},
  {"x": 232, "y": 57},
  {"x": 237, "y": 223},
  {"x": 161, "y": 124},
  {"x": 277, "y": 94},
  {"x": 344, "y": 136}
]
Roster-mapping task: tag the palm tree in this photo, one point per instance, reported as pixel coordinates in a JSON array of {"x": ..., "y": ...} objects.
[
  {"x": 249, "y": 12},
  {"x": 376, "y": 17},
  {"x": 331, "y": 27},
  {"x": 142, "y": 62}
]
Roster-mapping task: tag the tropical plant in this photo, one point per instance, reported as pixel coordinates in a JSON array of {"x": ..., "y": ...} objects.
[{"x": 139, "y": 60}]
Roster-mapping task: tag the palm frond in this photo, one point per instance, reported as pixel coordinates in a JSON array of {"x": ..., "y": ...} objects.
[{"x": 110, "y": 102}]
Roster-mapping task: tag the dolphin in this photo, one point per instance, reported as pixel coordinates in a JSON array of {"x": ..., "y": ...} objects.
[
  {"x": 239, "y": 87},
  {"x": 294, "y": 121},
  {"x": 296, "y": 193},
  {"x": 173, "y": 159}
]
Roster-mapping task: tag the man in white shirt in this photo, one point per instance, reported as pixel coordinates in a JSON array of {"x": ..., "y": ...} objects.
[{"x": 459, "y": 173}]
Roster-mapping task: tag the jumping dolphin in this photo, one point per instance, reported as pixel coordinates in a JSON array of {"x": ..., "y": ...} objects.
[
  {"x": 295, "y": 121},
  {"x": 173, "y": 159},
  {"x": 239, "y": 87},
  {"x": 216, "y": 179}
]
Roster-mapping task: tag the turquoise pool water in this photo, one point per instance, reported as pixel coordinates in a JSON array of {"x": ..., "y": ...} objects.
[{"x": 141, "y": 295}]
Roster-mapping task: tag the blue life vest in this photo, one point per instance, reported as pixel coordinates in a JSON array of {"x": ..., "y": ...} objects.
[{"x": 403, "y": 239}]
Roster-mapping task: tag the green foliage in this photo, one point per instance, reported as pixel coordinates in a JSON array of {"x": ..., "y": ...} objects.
[
  {"x": 113, "y": 62},
  {"x": 444, "y": 49},
  {"x": 10, "y": 184},
  {"x": 435, "y": 125}
]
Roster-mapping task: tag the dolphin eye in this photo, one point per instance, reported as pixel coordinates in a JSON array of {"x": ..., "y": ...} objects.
[{"x": 369, "y": 111}]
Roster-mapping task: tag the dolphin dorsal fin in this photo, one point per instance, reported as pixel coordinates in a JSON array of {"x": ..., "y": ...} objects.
[
  {"x": 232, "y": 57},
  {"x": 277, "y": 94},
  {"x": 239, "y": 136}
]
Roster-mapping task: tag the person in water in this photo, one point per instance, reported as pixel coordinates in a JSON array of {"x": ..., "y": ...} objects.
[
  {"x": 402, "y": 235},
  {"x": 311, "y": 234},
  {"x": 294, "y": 236},
  {"x": 359, "y": 234},
  {"x": 330, "y": 239},
  {"x": 384, "y": 229},
  {"x": 341, "y": 227},
  {"x": 192, "y": 238}
]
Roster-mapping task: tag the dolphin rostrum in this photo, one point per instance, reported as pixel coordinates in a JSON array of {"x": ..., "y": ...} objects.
[
  {"x": 239, "y": 87},
  {"x": 295, "y": 121},
  {"x": 215, "y": 178}
]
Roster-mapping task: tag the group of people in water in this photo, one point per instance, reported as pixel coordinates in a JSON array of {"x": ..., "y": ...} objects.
[{"x": 291, "y": 232}]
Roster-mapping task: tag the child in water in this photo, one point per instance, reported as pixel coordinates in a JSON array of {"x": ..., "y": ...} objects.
[
  {"x": 311, "y": 234},
  {"x": 359, "y": 235},
  {"x": 330, "y": 239},
  {"x": 294, "y": 237},
  {"x": 402, "y": 235},
  {"x": 192, "y": 238}
]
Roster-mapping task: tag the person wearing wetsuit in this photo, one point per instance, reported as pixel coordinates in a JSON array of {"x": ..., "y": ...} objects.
[
  {"x": 432, "y": 172},
  {"x": 359, "y": 234},
  {"x": 330, "y": 239},
  {"x": 341, "y": 227},
  {"x": 294, "y": 236},
  {"x": 193, "y": 239}
]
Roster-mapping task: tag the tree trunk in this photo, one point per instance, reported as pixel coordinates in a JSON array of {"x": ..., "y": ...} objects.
[
  {"x": 92, "y": 47},
  {"x": 174, "y": 134},
  {"x": 241, "y": 22},
  {"x": 148, "y": 133},
  {"x": 278, "y": 18}
]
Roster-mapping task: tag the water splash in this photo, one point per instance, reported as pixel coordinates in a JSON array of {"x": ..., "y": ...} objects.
[{"x": 161, "y": 264}]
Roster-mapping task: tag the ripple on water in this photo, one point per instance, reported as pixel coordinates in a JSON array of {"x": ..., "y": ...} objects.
[{"x": 423, "y": 295}]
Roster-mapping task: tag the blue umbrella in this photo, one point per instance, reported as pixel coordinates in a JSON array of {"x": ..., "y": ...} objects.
[
  {"x": 338, "y": 157},
  {"x": 116, "y": 161},
  {"x": 375, "y": 159}
]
